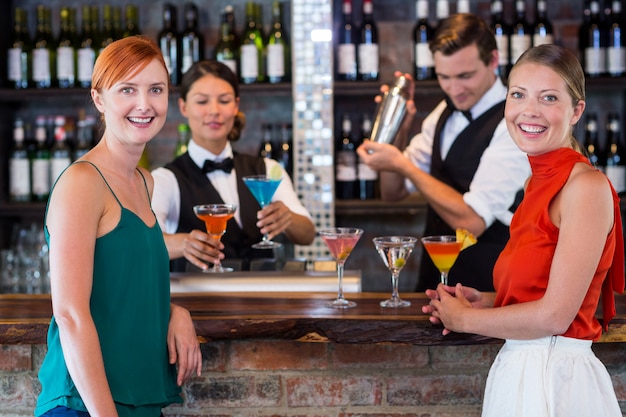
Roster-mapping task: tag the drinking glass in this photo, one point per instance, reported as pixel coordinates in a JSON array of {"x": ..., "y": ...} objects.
[
  {"x": 263, "y": 188},
  {"x": 340, "y": 242},
  {"x": 443, "y": 251},
  {"x": 215, "y": 217},
  {"x": 394, "y": 250}
]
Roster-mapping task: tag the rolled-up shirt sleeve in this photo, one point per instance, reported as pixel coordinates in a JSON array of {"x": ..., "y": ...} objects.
[{"x": 166, "y": 199}]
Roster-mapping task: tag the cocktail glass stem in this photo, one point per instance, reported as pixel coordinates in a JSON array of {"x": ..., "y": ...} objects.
[
  {"x": 340, "y": 302},
  {"x": 395, "y": 296},
  {"x": 444, "y": 277}
]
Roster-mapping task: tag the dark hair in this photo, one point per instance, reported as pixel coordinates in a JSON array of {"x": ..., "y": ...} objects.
[
  {"x": 464, "y": 29},
  {"x": 218, "y": 70}
]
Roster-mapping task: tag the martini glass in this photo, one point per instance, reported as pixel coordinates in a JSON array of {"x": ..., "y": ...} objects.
[
  {"x": 340, "y": 242},
  {"x": 215, "y": 217},
  {"x": 394, "y": 250},
  {"x": 443, "y": 251},
  {"x": 263, "y": 188}
]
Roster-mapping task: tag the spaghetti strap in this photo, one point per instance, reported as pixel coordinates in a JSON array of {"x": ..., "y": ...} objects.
[
  {"x": 103, "y": 179},
  {"x": 145, "y": 184}
]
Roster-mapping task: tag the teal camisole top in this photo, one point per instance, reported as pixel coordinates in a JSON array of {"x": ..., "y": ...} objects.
[{"x": 130, "y": 306}]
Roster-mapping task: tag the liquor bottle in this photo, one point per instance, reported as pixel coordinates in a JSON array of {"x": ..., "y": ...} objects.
[
  {"x": 422, "y": 34},
  {"x": 66, "y": 51},
  {"x": 542, "y": 28},
  {"x": 19, "y": 166},
  {"x": 131, "y": 21},
  {"x": 463, "y": 6},
  {"x": 226, "y": 48},
  {"x": 191, "y": 40},
  {"x": 108, "y": 29},
  {"x": 616, "y": 43},
  {"x": 183, "y": 139},
  {"x": 266, "y": 150},
  {"x": 252, "y": 48},
  {"x": 87, "y": 50},
  {"x": 346, "y": 162},
  {"x": 278, "y": 51},
  {"x": 594, "y": 43},
  {"x": 521, "y": 38},
  {"x": 346, "y": 46},
  {"x": 615, "y": 156},
  {"x": 168, "y": 42},
  {"x": 368, "y": 58},
  {"x": 40, "y": 163},
  {"x": 44, "y": 52},
  {"x": 502, "y": 31},
  {"x": 60, "y": 155},
  {"x": 84, "y": 138},
  {"x": 442, "y": 10},
  {"x": 19, "y": 52},
  {"x": 117, "y": 22},
  {"x": 283, "y": 151},
  {"x": 367, "y": 176},
  {"x": 591, "y": 141}
]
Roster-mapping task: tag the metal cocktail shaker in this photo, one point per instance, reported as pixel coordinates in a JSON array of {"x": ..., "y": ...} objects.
[{"x": 391, "y": 111}]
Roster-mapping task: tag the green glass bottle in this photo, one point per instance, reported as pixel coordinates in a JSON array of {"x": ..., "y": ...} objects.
[
  {"x": 19, "y": 52},
  {"x": 183, "y": 139},
  {"x": 131, "y": 22},
  {"x": 278, "y": 56},
  {"x": 87, "y": 50},
  {"x": 66, "y": 51},
  {"x": 192, "y": 41},
  {"x": 108, "y": 34},
  {"x": 168, "y": 43},
  {"x": 226, "y": 49},
  {"x": 117, "y": 22},
  {"x": 251, "y": 49},
  {"x": 44, "y": 53}
]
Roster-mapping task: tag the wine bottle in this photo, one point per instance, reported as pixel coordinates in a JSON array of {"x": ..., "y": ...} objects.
[
  {"x": 591, "y": 141},
  {"x": 595, "y": 43},
  {"x": 615, "y": 156},
  {"x": 284, "y": 152},
  {"x": 442, "y": 10},
  {"x": 60, "y": 154},
  {"x": 521, "y": 38},
  {"x": 108, "y": 29},
  {"x": 84, "y": 137},
  {"x": 368, "y": 58},
  {"x": 44, "y": 52},
  {"x": 192, "y": 41},
  {"x": 19, "y": 52},
  {"x": 367, "y": 176},
  {"x": 40, "y": 163},
  {"x": 183, "y": 139},
  {"x": 131, "y": 21},
  {"x": 278, "y": 57},
  {"x": 616, "y": 43},
  {"x": 422, "y": 34},
  {"x": 168, "y": 43},
  {"x": 19, "y": 166},
  {"x": 346, "y": 46},
  {"x": 66, "y": 51},
  {"x": 266, "y": 150},
  {"x": 87, "y": 50},
  {"x": 226, "y": 48},
  {"x": 463, "y": 6},
  {"x": 252, "y": 48},
  {"x": 502, "y": 32},
  {"x": 542, "y": 28},
  {"x": 346, "y": 162}
]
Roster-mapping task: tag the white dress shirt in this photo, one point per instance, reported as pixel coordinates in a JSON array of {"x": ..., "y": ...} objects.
[{"x": 503, "y": 167}]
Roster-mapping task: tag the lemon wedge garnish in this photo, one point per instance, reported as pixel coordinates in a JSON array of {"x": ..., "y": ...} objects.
[
  {"x": 466, "y": 237},
  {"x": 276, "y": 172}
]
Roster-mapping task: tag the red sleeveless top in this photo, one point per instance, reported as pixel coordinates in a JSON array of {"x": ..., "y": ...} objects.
[{"x": 522, "y": 271}]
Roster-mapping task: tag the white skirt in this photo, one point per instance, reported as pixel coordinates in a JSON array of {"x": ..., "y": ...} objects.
[{"x": 549, "y": 377}]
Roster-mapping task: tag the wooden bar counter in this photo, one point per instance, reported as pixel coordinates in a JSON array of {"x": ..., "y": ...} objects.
[{"x": 298, "y": 316}]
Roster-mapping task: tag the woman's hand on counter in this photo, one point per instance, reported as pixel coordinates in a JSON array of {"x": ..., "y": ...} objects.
[{"x": 183, "y": 345}]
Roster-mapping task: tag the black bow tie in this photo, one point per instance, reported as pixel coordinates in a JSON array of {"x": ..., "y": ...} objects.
[
  {"x": 466, "y": 113},
  {"x": 226, "y": 165}
]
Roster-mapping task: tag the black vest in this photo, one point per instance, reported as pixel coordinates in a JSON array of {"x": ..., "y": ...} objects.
[
  {"x": 474, "y": 266},
  {"x": 195, "y": 188}
]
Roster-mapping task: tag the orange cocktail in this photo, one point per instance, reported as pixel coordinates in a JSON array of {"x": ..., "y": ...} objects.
[
  {"x": 443, "y": 254},
  {"x": 215, "y": 218}
]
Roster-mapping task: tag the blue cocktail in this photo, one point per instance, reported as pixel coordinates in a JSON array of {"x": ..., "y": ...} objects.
[{"x": 263, "y": 188}]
